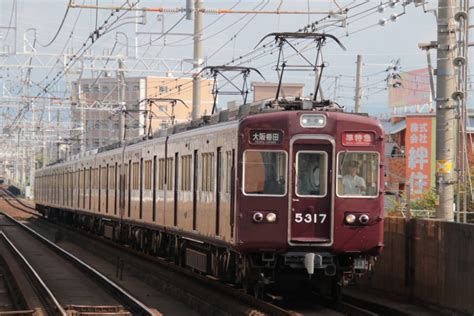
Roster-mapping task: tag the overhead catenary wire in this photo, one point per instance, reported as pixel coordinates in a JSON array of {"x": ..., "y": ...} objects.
[
  {"x": 12, "y": 15},
  {"x": 60, "y": 74},
  {"x": 114, "y": 44},
  {"x": 59, "y": 28}
]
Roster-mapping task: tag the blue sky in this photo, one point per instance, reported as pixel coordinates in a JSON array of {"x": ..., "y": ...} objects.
[{"x": 230, "y": 36}]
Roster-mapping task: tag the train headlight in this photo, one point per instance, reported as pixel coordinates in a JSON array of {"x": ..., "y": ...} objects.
[
  {"x": 364, "y": 219},
  {"x": 313, "y": 120},
  {"x": 350, "y": 219},
  {"x": 257, "y": 217},
  {"x": 271, "y": 217}
]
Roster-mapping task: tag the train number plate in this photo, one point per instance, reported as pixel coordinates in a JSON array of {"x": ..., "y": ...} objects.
[{"x": 310, "y": 218}]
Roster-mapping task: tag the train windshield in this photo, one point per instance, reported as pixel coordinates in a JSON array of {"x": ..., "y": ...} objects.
[
  {"x": 358, "y": 174},
  {"x": 265, "y": 172},
  {"x": 312, "y": 171}
]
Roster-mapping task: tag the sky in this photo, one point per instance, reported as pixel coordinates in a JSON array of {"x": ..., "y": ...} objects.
[{"x": 226, "y": 37}]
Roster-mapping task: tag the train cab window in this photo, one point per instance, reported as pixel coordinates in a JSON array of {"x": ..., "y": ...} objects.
[
  {"x": 358, "y": 174},
  {"x": 265, "y": 172},
  {"x": 311, "y": 173}
]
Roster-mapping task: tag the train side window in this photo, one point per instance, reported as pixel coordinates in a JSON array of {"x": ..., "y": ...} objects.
[
  {"x": 228, "y": 170},
  {"x": 127, "y": 180},
  {"x": 358, "y": 174},
  {"x": 147, "y": 175},
  {"x": 311, "y": 169},
  {"x": 136, "y": 174},
  {"x": 103, "y": 178},
  {"x": 207, "y": 176},
  {"x": 111, "y": 177},
  {"x": 186, "y": 173},
  {"x": 161, "y": 176},
  {"x": 96, "y": 178},
  {"x": 169, "y": 174},
  {"x": 265, "y": 172}
]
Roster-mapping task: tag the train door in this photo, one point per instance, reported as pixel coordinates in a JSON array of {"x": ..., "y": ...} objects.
[
  {"x": 218, "y": 189},
  {"x": 141, "y": 175},
  {"x": 195, "y": 188},
  {"x": 312, "y": 190},
  {"x": 175, "y": 190}
]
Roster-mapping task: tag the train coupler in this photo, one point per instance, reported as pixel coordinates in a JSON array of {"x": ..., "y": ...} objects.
[{"x": 311, "y": 261}]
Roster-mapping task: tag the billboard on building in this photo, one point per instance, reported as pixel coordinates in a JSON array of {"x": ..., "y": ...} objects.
[
  {"x": 410, "y": 88},
  {"x": 420, "y": 154}
]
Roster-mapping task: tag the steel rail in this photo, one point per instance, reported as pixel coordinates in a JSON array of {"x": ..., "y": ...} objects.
[
  {"x": 16, "y": 199},
  {"x": 8, "y": 201},
  {"x": 137, "y": 307},
  {"x": 48, "y": 296}
]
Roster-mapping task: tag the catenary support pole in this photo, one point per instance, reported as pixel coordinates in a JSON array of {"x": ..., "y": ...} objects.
[
  {"x": 121, "y": 101},
  {"x": 358, "y": 95},
  {"x": 445, "y": 79},
  {"x": 198, "y": 58}
]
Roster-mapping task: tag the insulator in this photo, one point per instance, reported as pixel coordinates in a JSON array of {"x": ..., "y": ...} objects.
[
  {"x": 457, "y": 95},
  {"x": 460, "y": 16},
  {"x": 459, "y": 61}
]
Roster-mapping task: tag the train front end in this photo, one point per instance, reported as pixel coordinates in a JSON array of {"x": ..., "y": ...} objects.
[{"x": 310, "y": 196}]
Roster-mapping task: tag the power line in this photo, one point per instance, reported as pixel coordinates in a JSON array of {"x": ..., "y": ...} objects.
[{"x": 60, "y": 27}]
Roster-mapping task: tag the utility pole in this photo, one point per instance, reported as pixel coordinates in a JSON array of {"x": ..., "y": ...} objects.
[
  {"x": 198, "y": 58},
  {"x": 445, "y": 80},
  {"x": 358, "y": 95},
  {"x": 460, "y": 97},
  {"x": 121, "y": 101}
]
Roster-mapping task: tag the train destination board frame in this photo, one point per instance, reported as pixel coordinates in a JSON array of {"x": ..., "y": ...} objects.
[{"x": 265, "y": 137}]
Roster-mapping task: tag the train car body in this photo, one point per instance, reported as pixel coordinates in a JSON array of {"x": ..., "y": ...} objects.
[{"x": 265, "y": 198}]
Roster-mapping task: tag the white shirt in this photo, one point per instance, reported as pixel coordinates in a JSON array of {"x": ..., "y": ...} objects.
[{"x": 353, "y": 185}]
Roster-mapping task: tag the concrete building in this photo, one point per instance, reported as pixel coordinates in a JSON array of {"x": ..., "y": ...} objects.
[{"x": 96, "y": 107}]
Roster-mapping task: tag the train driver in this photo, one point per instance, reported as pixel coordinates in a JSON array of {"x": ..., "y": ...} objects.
[{"x": 352, "y": 183}]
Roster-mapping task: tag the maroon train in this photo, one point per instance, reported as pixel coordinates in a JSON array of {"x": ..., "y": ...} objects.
[{"x": 260, "y": 198}]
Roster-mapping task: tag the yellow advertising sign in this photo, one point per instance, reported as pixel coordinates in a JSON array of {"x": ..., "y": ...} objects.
[{"x": 444, "y": 166}]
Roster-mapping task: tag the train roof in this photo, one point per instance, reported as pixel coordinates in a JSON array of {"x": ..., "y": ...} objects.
[{"x": 227, "y": 115}]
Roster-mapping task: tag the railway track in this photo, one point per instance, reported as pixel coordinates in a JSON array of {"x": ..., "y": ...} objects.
[
  {"x": 201, "y": 287},
  {"x": 65, "y": 281}
]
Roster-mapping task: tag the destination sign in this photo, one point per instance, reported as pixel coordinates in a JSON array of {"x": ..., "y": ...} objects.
[
  {"x": 266, "y": 137},
  {"x": 357, "y": 139}
]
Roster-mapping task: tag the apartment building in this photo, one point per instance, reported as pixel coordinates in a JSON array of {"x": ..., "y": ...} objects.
[{"x": 96, "y": 107}]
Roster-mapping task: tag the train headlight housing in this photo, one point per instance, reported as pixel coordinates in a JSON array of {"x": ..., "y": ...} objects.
[
  {"x": 313, "y": 120},
  {"x": 271, "y": 217},
  {"x": 350, "y": 219},
  {"x": 257, "y": 217},
  {"x": 364, "y": 219}
]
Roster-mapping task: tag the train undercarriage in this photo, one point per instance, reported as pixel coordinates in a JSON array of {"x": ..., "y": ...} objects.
[{"x": 256, "y": 273}]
